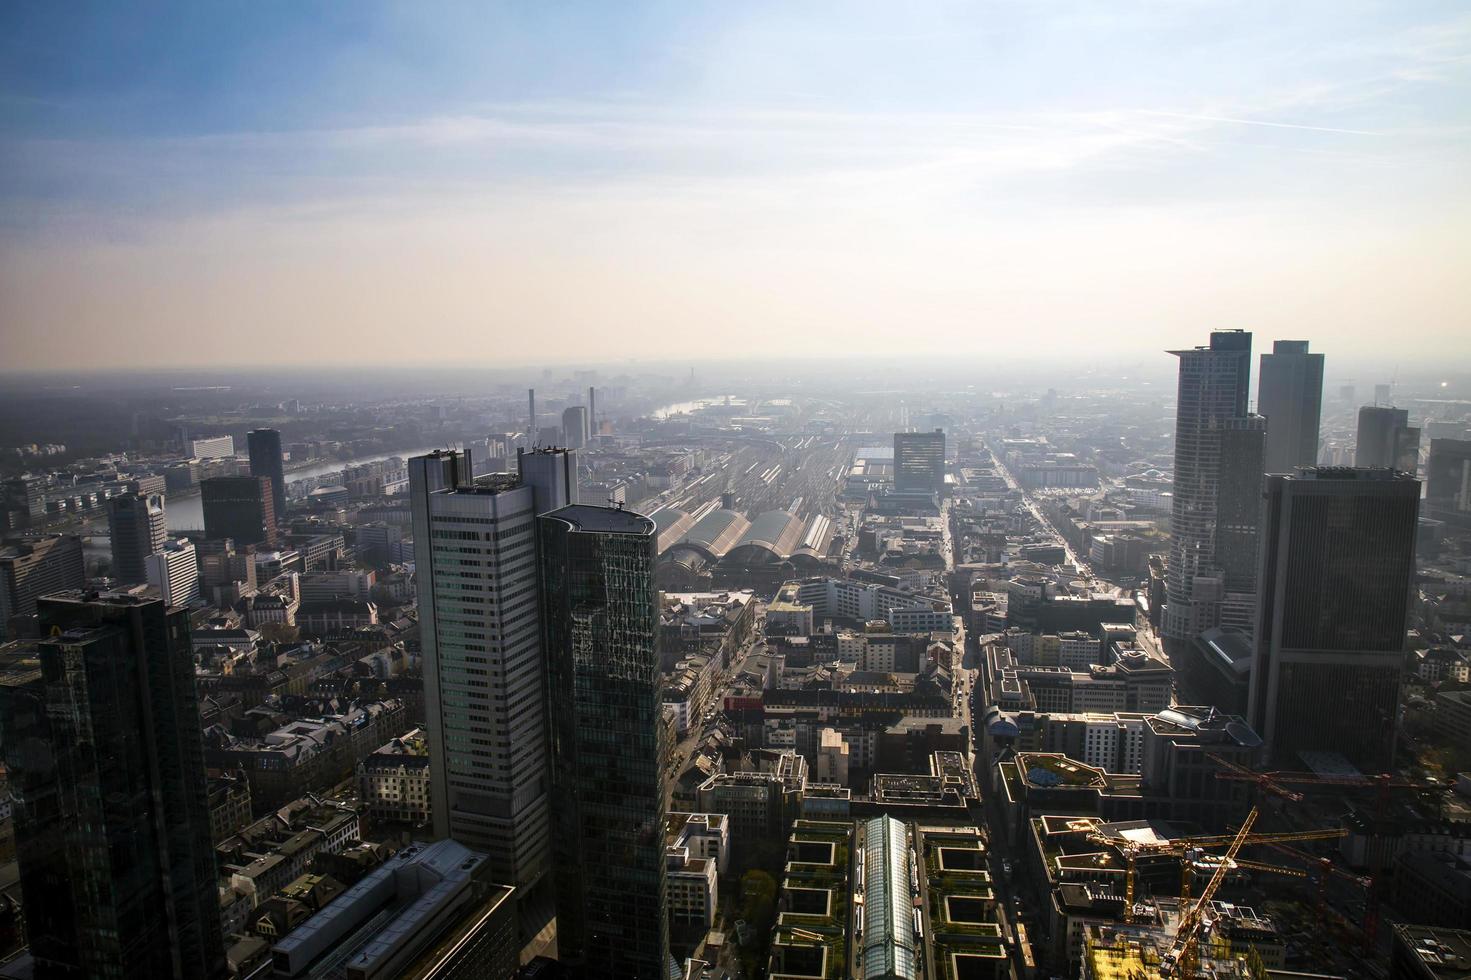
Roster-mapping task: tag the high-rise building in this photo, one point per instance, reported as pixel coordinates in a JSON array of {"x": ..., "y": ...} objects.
[
  {"x": 1337, "y": 579},
  {"x": 266, "y": 460},
  {"x": 112, "y": 824},
  {"x": 1213, "y": 388},
  {"x": 1290, "y": 397},
  {"x": 600, "y": 622},
  {"x": 1238, "y": 518},
  {"x": 22, "y": 500},
  {"x": 485, "y": 711},
  {"x": 34, "y": 567},
  {"x": 138, "y": 528},
  {"x": 1386, "y": 438},
  {"x": 239, "y": 507},
  {"x": 919, "y": 462},
  {"x": 174, "y": 570},
  {"x": 574, "y": 427},
  {"x": 215, "y": 447},
  {"x": 1448, "y": 478}
]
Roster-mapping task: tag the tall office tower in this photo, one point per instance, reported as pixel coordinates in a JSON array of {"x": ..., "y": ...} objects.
[
  {"x": 1289, "y": 394},
  {"x": 239, "y": 507},
  {"x": 1238, "y": 518},
  {"x": 35, "y": 567},
  {"x": 1381, "y": 394},
  {"x": 1213, "y": 388},
  {"x": 1386, "y": 438},
  {"x": 112, "y": 828},
  {"x": 592, "y": 410},
  {"x": 480, "y": 628},
  {"x": 174, "y": 570},
  {"x": 1448, "y": 478},
  {"x": 919, "y": 461},
  {"x": 574, "y": 427},
  {"x": 530, "y": 418},
  {"x": 1337, "y": 580},
  {"x": 138, "y": 528},
  {"x": 266, "y": 460},
  {"x": 600, "y": 621}
]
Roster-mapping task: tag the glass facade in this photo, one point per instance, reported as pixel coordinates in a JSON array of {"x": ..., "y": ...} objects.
[
  {"x": 600, "y": 621},
  {"x": 112, "y": 825},
  {"x": 919, "y": 461},
  {"x": 1338, "y": 566}
]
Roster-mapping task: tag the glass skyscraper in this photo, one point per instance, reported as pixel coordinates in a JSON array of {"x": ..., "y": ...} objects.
[
  {"x": 267, "y": 460},
  {"x": 1212, "y": 397},
  {"x": 106, "y": 758},
  {"x": 1290, "y": 397},
  {"x": 919, "y": 461},
  {"x": 600, "y": 621},
  {"x": 480, "y": 627},
  {"x": 1337, "y": 580}
]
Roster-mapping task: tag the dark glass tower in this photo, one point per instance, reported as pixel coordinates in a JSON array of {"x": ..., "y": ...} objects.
[
  {"x": 266, "y": 460},
  {"x": 1386, "y": 438},
  {"x": 1337, "y": 579},
  {"x": 138, "y": 528},
  {"x": 112, "y": 826},
  {"x": 1290, "y": 397},
  {"x": 919, "y": 461},
  {"x": 1448, "y": 479},
  {"x": 600, "y": 621},
  {"x": 239, "y": 507}
]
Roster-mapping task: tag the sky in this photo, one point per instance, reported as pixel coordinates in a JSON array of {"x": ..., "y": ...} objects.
[{"x": 233, "y": 184}]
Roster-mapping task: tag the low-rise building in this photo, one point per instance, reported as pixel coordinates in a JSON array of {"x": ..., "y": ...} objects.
[
  {"x": 393, "y": 781},
  {"x": 434, "y": 912}
]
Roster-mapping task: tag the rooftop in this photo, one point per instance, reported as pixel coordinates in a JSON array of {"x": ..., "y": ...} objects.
[
  {"x": 1441, "y": 952},
  {"x": 604, "y": 520}
]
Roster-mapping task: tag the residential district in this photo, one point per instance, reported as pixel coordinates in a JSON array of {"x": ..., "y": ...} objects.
[{"x": 623, "y": 677}]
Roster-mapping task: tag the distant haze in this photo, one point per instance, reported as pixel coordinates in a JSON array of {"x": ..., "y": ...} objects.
[{"x": 412, "y": 184}]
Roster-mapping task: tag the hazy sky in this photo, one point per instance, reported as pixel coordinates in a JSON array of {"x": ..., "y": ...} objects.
[{"x": 241, "y": 183}]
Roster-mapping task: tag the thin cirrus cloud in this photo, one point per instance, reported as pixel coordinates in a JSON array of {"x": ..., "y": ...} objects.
[{"x": 955, "y": 205}]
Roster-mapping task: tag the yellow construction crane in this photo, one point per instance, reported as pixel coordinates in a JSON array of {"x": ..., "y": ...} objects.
[
  {"x": 1133, "y": 850},
  {"x": 1182, "y": 952}
]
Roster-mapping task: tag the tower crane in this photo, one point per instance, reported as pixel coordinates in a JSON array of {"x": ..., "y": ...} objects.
[
  {"x": 1133, "y": 850},
  {"x": 1182, "y": 953}
]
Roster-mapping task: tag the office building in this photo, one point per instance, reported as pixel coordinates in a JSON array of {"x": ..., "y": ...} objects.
[
  {"x": 241, "y": 508},
  {"x": 1337, "y": 579},
  {"x": 103, "y": 745},
  {"x": 431, "y": 912},
  {"x": 1386, "y": 438},
  {"x": 138, "y": 528},
  {"x": 485, "y": 713},
  {"x": 34, "y": 567},
  {"x": 266, "y": 460},
  {"x": 600, "y": 621},
  {"x": 1213, "y": 388},
  {"x": 575, "y": 427},
  {"x": 1290, "y": 397},
  {"x": 215, "y": 447},
  {"x": 174, "y": 571},
  {"x": 1238, "y": 517},
  {"x": 919, "y": 462},
  {"x": 1448, "y": 478}
]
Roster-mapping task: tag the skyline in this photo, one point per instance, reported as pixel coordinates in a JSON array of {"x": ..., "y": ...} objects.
[{"x": 191, "y": 191}]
